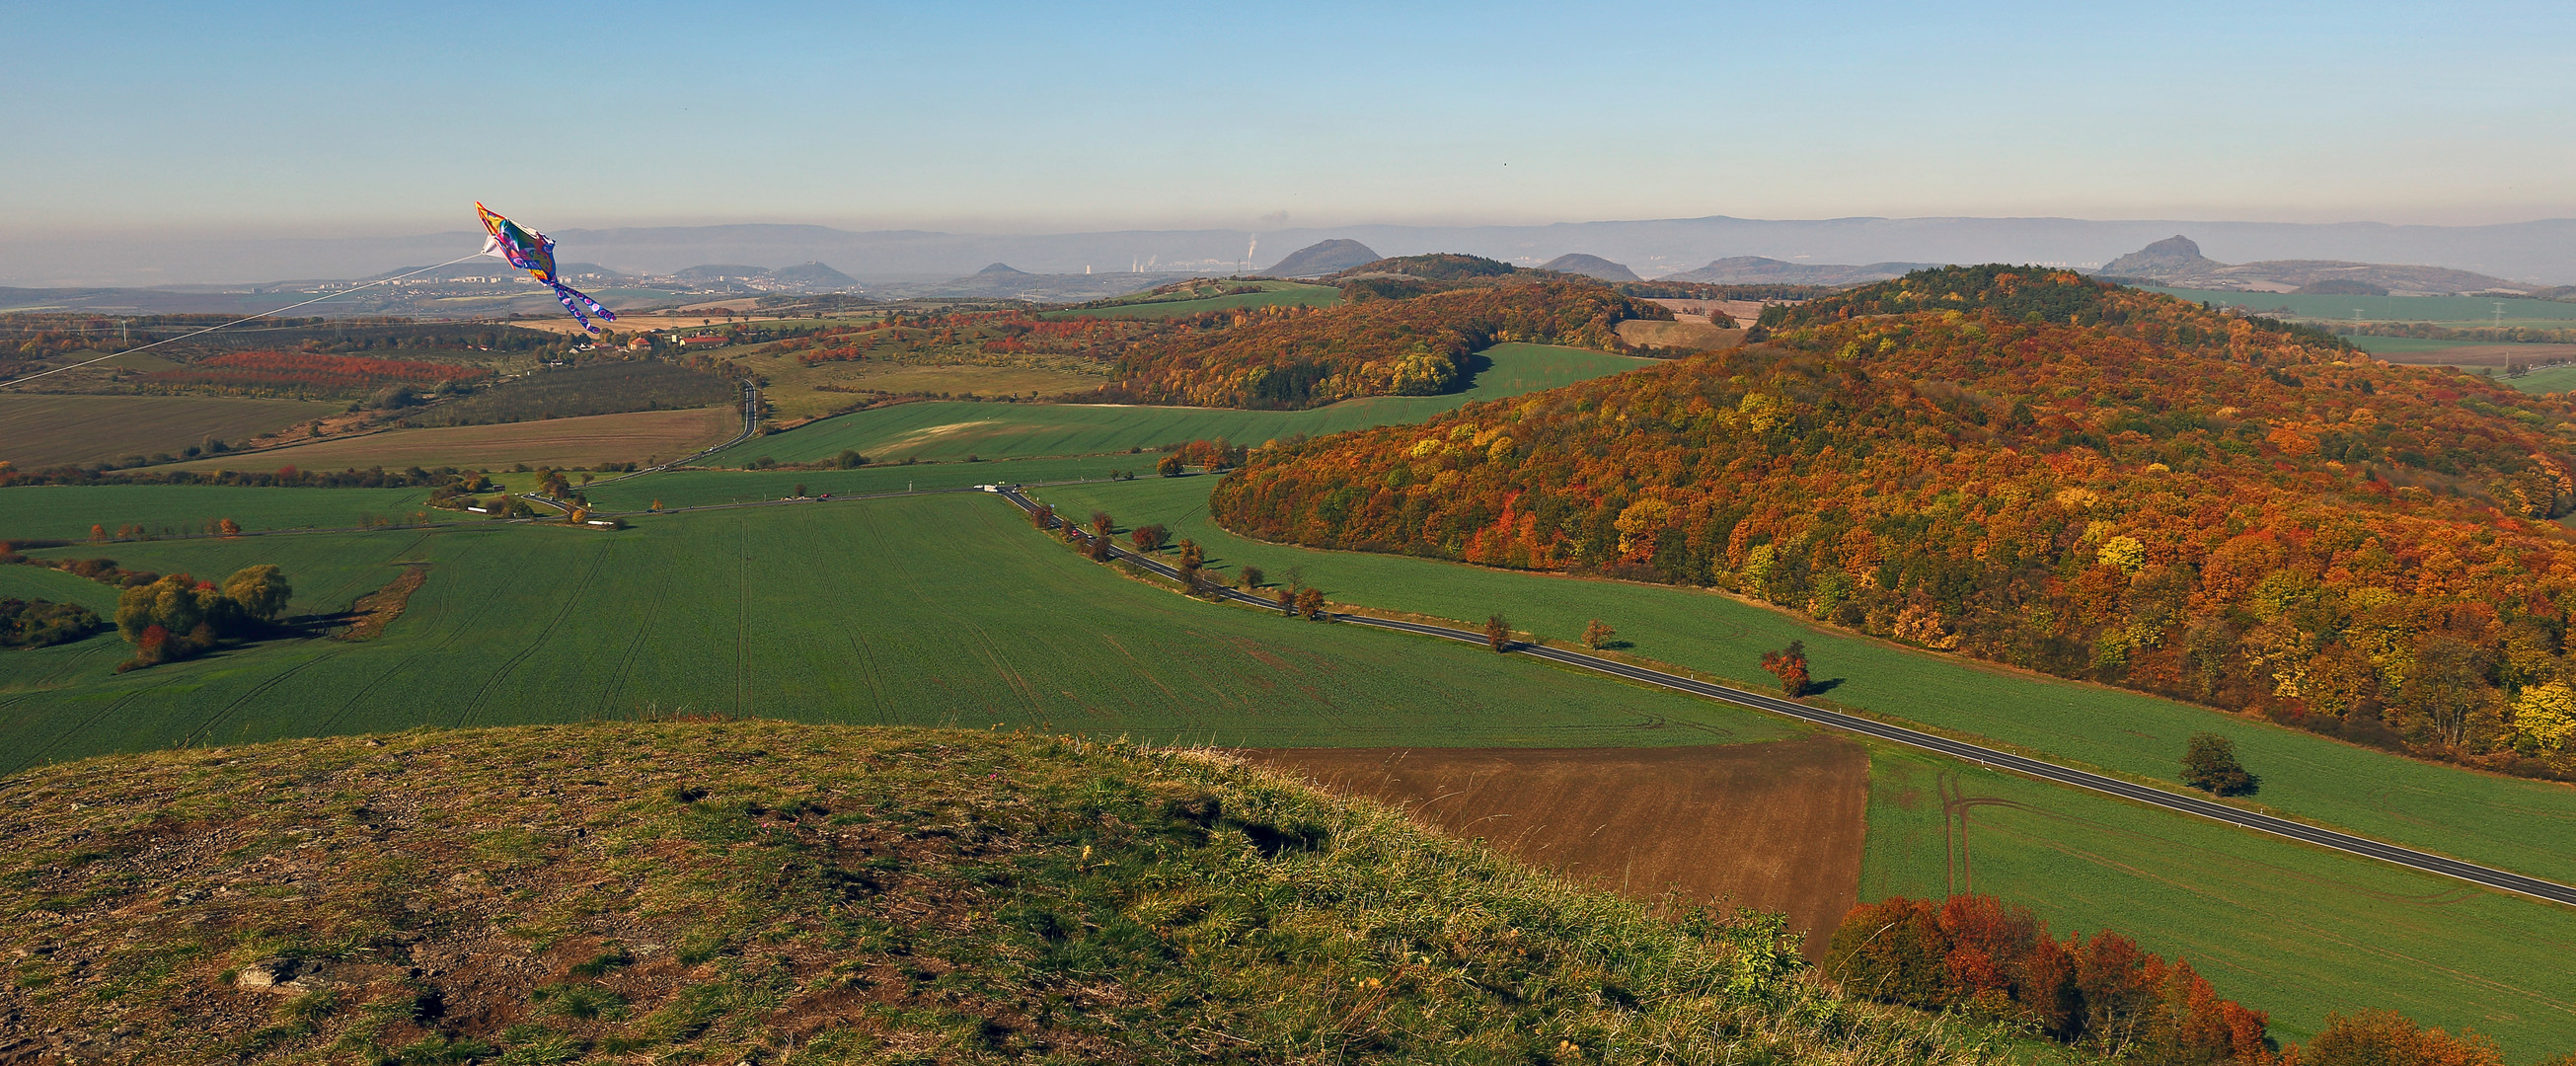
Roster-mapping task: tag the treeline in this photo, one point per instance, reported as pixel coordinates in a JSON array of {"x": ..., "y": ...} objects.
[
  {"x": 1281, "y": 357},
  {"x": 2035, "y": 295},
  {"x": 282, "y": 477},
  {"x": 2102, "y": 995},
  {"x": 2208, "y": 507}
]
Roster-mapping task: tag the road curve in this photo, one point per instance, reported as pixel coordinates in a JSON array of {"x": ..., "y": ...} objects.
[{"x": 2427, "y": 862}]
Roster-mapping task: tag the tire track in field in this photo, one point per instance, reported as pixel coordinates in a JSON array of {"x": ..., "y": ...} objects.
[
  {"x": 481, "y": 605},
  {"x": 571, "y": 598},
  {"x": 113, "y": 706},
  {"x": 868, "y": 669},
  {"x": 207, "y": 729},
  {"x": 742, "y": 625},
  {"x": 635, "y": 647}
]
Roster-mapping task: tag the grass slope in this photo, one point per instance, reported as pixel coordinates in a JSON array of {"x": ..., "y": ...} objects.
[
  {"x": 928, "y": 611},
  {"x": 955, "y": 430},
  {"x": 758, "y": 892},
  {"x": 38, "y": 431}
]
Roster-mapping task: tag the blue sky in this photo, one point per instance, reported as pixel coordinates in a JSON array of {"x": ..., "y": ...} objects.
[{"x": 357, "y": 117}]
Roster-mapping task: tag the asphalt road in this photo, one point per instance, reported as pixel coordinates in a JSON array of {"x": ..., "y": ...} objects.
[{"x": 2048, "y": 771}]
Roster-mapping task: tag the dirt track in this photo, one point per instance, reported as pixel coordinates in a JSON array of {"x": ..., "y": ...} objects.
[{"x": 1774, "y": 826}]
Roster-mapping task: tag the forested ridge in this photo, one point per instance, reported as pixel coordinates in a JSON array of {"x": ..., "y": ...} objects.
[
  {"x": 1292, "y": 357},
  {"x": 2037, "y": 469}
]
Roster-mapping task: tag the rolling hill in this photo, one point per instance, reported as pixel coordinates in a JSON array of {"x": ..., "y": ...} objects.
[
  {"x": 2033, "y": 468},
  {"x": 1590, "y": 266},
  {"x": 1321, "y": 258}
]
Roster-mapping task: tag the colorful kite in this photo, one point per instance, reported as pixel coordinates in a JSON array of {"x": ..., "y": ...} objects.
[{"x": 535, "y": 253}]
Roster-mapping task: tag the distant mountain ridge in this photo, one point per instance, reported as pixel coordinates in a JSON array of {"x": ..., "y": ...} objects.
[
  {"x": 1756, "y": 270},
  {"x": 2176, "y": 261},
  {"x": 2541, "y": 252}
]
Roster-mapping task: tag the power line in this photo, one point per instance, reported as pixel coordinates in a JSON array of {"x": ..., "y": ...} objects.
[{"x": 238, "y": 321}]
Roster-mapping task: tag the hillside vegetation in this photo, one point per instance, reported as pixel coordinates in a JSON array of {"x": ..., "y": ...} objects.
[
  {"x": 1292, "y": 357},
  {"x": 2037, "y": 469},
  {"x": 760, "y": 892}
]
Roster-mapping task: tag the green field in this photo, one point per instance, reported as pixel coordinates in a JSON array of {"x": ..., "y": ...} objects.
[
  {"x": 950, "y": 610},
  {"x": 936, "y": 610},
  {"x": 955, "y": 430},
  {"x": 1272, "y": 294},
  {"x": 2522, "y": 825},
  {"x": 39, "y": 431},
  {"x": 2293, "y": 930},
  {"x": 65, "y": 512},
  {"x": 2453, "y": 310},
  {"x": 2547, "y": 379},
  {"x": 692, "y": 488}
]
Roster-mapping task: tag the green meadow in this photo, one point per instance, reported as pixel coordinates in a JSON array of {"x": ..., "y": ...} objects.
[
  {"x": 66, "y": 512},
  {"x": 949, "y": 430},
  {"x": 2546, "y": 379},
  {"x": 944, "y": 610}
]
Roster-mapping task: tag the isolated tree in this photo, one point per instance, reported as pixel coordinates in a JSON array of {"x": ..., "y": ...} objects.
[
  {"x": 2209, "y": 764},
  {"x": 1042, "y": 516},
  {"x": 259, "y": 592},
  {"x": 1192, "y": 561},
  {"x": 800, "y": 488},
  {"x": 1249, "y": 578},
  {"x": 1789, "y": 664},
  {"x": 850, "y": 459},
  {"x": 1149, "y": 538},
  {"x": 1170, "y": 465},
  {"x": 1597, "y": 634},
  {"x": 1498, "y": 633},
  {"x": 228, "y": 527},
  {"x": 1287, "y": 601},
  {"x": 1311, "y": 604}
]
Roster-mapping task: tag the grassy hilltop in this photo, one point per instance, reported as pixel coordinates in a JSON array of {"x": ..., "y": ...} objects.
[{"x": 760, "y": 892}]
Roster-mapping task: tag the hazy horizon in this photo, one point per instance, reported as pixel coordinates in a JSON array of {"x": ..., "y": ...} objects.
[{"x": 173, "y": 122}]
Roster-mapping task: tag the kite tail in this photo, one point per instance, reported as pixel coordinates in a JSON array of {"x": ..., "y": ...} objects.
[
  {"x": 568, "y": 294},
  {"x": 564, "y": 295}
]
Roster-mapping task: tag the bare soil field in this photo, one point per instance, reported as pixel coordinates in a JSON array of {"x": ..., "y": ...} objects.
[
  {"x": 41, "y": 430},
  {"x": 1776, "y": 826},
  {"x": 1692, "y": 336},
  {"x": 574, "y": 443}
]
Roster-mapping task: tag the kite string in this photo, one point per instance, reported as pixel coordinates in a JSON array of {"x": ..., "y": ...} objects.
[{"x": 239, "y": 321}]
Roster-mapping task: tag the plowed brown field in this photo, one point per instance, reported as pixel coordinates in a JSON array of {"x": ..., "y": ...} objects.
[{"x": 1774, "y": 826}]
